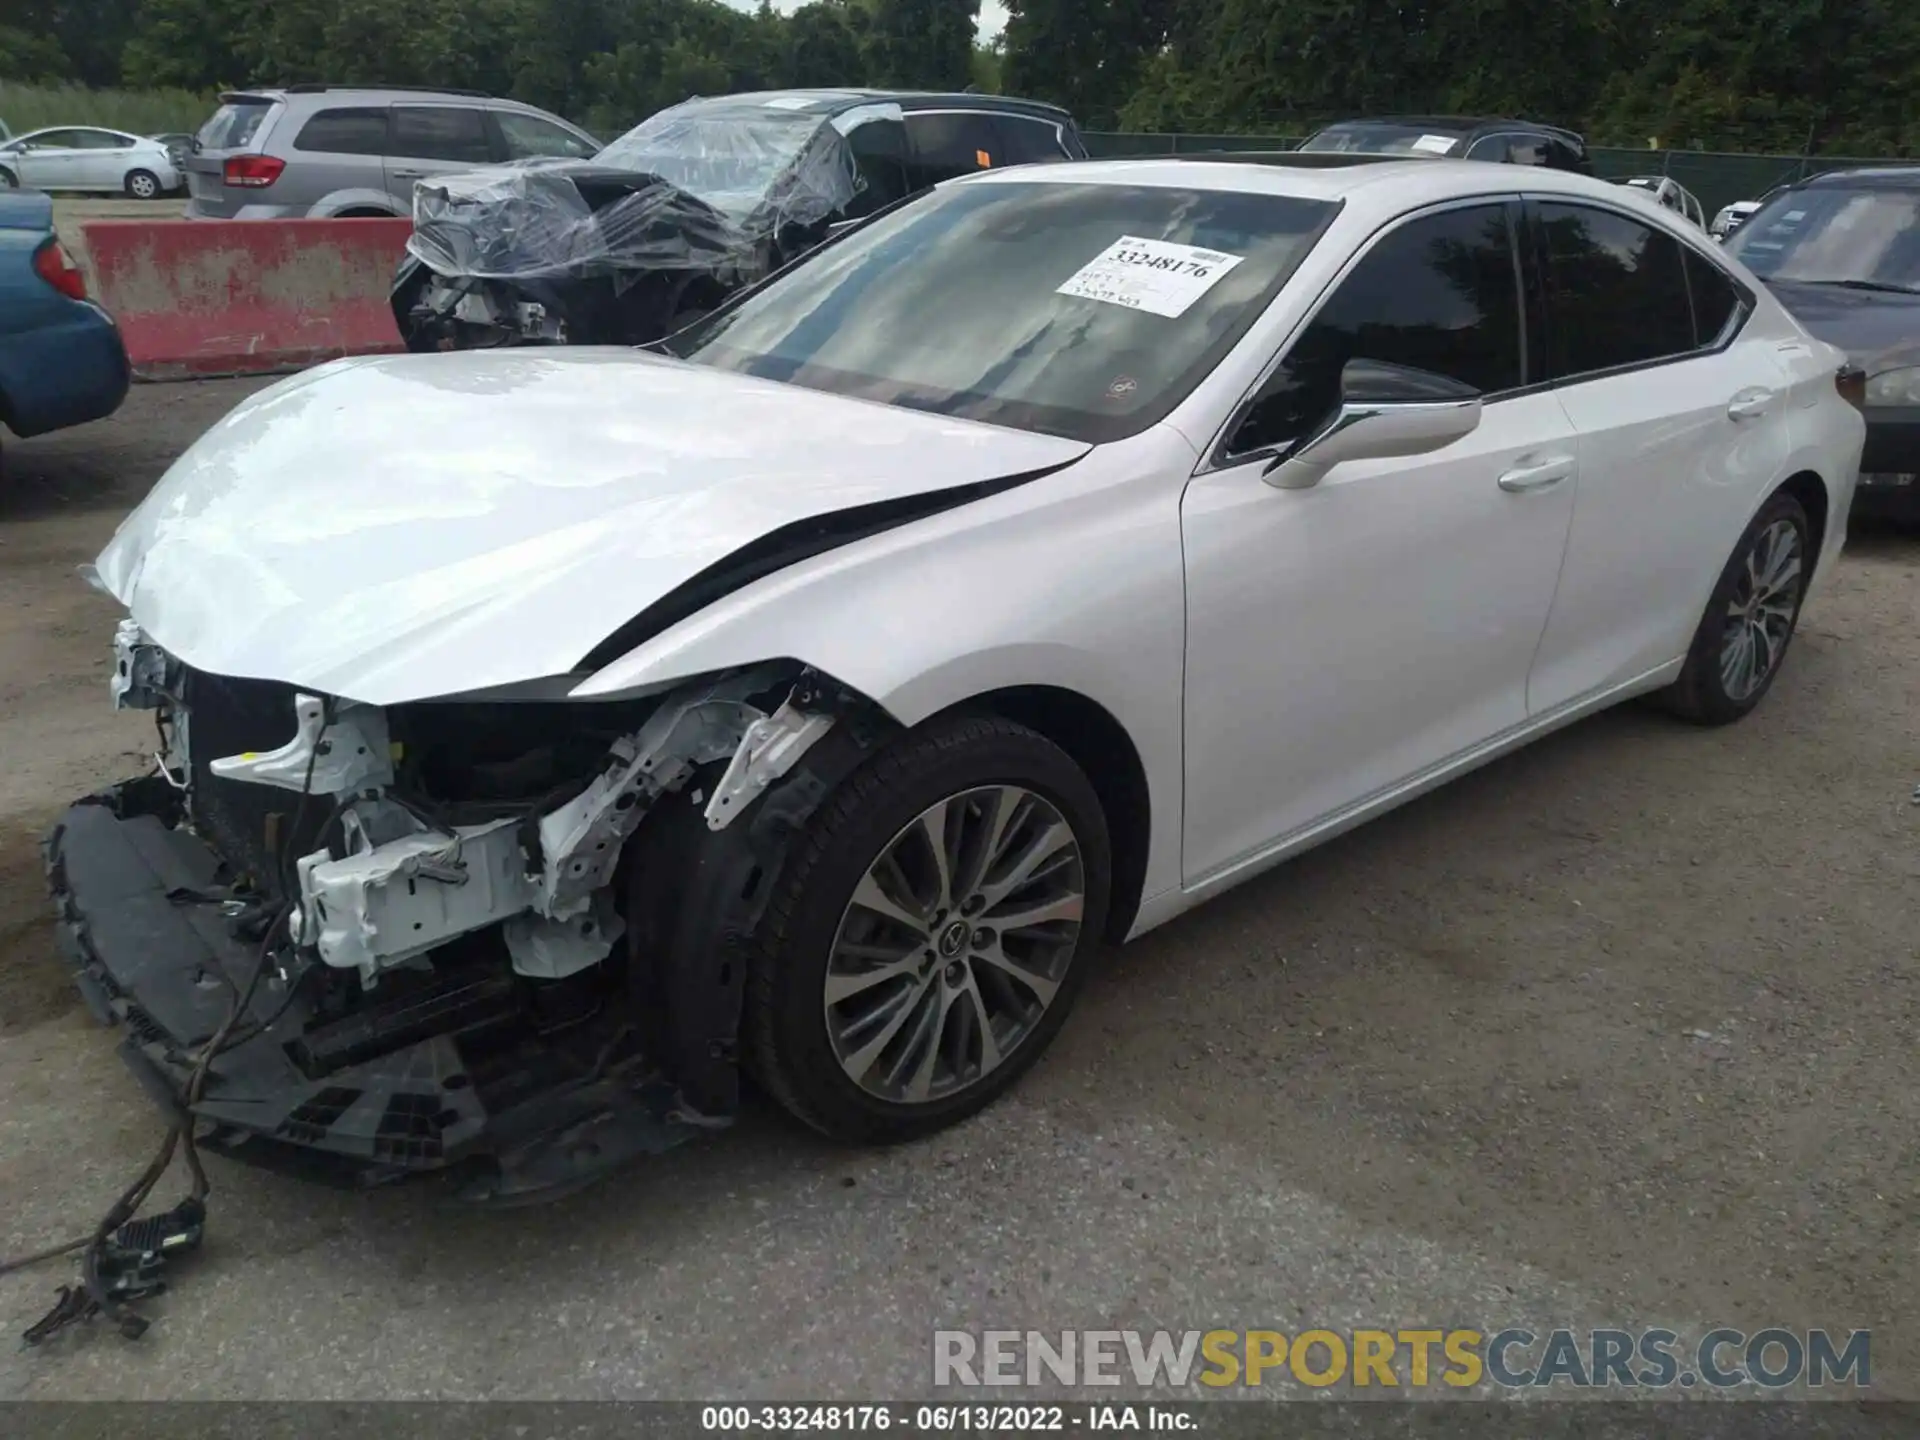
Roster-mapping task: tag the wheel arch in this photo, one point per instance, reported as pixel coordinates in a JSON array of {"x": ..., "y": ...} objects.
[
  {"x": 1100, "y": 745},
  {"x": 1810, "y": 489}
]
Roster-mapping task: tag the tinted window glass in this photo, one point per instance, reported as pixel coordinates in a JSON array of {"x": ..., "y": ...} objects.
[
  {"x": 440, "y": 132},
  {"x": 1716, "y": 299},
  {"x": 57, "y": 140},
  {"x": 954, "y": 304},
  {"x": 880, "y": 150},
  {"x": 1026, "y": 142},
  {"x": 1384, "y": 137},
  {"x": 1439, "y": 294},
  {"x": 1528, "y": 150},
  {"x": 950, "y": 144},
  {"x": 1616, "y": 290},
  {"x": 234, "y": 124},
  {"x": 531, "y": 138},
  {"x": 345, "y": 132}
]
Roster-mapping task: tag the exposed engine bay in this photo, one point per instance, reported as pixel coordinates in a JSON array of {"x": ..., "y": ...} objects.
[{"x": 490, "y": 934}]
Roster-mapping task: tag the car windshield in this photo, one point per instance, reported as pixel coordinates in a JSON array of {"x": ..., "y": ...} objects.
[
  {"x": 728, "y": 156},
  {"x": 1083, "y": 310},
  {"x": 1378, "y": 137},
  {"x": 1834, "y": 233}
]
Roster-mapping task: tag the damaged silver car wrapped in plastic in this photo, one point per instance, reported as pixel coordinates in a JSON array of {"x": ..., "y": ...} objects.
[{"x": 622, "y": 249}]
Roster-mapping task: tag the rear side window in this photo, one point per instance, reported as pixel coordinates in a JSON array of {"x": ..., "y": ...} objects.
[
  {"x": 1440, "y": 294},
  {"x": 1718, "y": 301},
  {"x": 950, "y": 143},
  {"x": 235, "y": 124},
  {"x": 529, "y": 137},
  {"x": 1024, "y": 141},
  {"x": 1616, "y": 291},
  {"x": 440, "y": 132},
  {"x": 359, "y": 131}
]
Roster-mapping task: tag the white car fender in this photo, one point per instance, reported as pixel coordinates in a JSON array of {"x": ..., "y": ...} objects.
[{"x": 1075, "y": 581}]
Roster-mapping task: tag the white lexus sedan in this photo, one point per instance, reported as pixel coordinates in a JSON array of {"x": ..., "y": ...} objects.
[{"x": 549, "y": 737}]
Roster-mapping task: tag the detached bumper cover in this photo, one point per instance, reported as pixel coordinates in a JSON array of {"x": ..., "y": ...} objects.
[{"x": 366, "y": 1097}]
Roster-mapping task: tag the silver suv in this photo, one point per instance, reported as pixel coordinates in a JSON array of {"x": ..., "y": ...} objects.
[{"x": 338, "y": 152}]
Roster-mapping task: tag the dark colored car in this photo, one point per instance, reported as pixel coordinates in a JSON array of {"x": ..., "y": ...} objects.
[
  {"x": 1842, "y": 252},
  {"x": 685, "y": 208},
  {"x": 1509, "y": 142},
  {"x": 61, "y": 359}
]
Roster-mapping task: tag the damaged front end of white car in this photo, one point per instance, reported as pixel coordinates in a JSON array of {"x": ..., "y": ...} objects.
[{"x": 421, "y": 911}]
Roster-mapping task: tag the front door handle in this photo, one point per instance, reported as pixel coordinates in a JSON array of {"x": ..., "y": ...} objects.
[
  {"x": 1536, "y": 474},
  {"x": 409, "y": 174},
  {"x": 1750, "y": 404}
]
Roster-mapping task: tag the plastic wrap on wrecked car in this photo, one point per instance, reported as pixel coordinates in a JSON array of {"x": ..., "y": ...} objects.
[{"x": 680, "y": 192}]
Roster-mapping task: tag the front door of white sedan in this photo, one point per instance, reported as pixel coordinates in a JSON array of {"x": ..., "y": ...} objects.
[
  {"x": 1348, "y": 637},
  {"x": 53, "y": 160}
]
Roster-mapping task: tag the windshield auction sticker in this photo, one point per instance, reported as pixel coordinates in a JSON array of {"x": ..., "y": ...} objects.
[{"x": 1154, "y": 275}]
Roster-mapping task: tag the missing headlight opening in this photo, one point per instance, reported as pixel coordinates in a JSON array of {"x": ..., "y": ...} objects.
[{"x": 460, "y": 980}]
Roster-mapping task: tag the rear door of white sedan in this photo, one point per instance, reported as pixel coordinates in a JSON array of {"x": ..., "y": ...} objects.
[
  {"x": 1682, "y": 423},
  {"x": 1346, "y": 638}
]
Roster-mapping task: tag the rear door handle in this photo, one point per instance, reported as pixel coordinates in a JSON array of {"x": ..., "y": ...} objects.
[
  {"x": 1750, "y": 404},
  {"x": 1536, "y": 473}
]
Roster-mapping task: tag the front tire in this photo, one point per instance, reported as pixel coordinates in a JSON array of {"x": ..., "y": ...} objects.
[
  {"x": 8, "y": 180},
  {"x": 143, "y": 185},
  {"x": 1750, "y": 619},
  {"x": 929, "y": 933}
]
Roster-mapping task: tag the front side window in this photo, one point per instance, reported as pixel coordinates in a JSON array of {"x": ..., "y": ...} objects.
[
  {"x": 1616, "y": 291},
  {"x": 440, "y": 132},
  {"x": 529, "y": 137},
  {"x": 1082, "y": 310},
  {"x": 361, "y": 130},
  {"x": 1833, "y": 234},
  {"x": 1440, "y": 294}
]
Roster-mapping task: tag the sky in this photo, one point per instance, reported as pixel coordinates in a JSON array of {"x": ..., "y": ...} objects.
[{"x": 993, "y": 15}]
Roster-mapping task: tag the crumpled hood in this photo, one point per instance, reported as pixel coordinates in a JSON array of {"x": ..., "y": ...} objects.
[{"x": 400, "y": 528}]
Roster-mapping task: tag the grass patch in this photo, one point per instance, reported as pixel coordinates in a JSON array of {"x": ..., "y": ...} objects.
[{"x": 144, "y": 112}]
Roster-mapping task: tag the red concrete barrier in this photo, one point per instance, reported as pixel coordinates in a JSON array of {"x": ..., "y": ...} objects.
[{"x": 245, "y": 297}]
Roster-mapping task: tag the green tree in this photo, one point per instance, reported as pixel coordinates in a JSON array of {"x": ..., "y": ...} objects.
[
  {"x": 923, "y": 44},
  {"x": 823, "y": 47}
]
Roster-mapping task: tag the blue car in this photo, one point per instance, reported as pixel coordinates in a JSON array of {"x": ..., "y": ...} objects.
[{"x": 61, "y": 359}]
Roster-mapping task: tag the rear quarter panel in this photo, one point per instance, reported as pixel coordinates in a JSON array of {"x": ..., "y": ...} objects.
[{"x": 61, "y": 361}]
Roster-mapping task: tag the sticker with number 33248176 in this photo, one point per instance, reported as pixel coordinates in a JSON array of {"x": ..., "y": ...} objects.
[{"x": 1153, "y": 275}]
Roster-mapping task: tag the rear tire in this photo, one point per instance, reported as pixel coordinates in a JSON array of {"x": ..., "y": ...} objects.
[
  {"x": 1751, "y": 616},
  {"x": 143, "y": 185},
  {"x": 934, "y": 1016}
]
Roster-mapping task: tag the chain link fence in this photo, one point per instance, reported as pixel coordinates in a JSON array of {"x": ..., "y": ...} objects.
[{"x": 1715, "y": 178}]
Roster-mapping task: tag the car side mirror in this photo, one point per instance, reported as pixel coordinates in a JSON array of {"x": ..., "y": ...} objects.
[{"x": 1385, "y": 410}]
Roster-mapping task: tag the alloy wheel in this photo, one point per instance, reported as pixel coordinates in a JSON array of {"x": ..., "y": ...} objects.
[
  {"x": 1761, "y": 612},
  {"x": 954, "y": 944}
]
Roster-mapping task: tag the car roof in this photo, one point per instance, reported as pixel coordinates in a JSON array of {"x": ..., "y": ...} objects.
[
  {"x": 1462, "y": 124},
  {"x": 830, "y": 102},
  {"x": 1874, "y": 177},
  {"x": 102, "y": 129},
  {"x": 1388, "y": 184}
]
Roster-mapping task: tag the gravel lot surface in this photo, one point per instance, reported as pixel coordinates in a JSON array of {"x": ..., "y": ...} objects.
[{"x": 1618, "y": 1031}]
